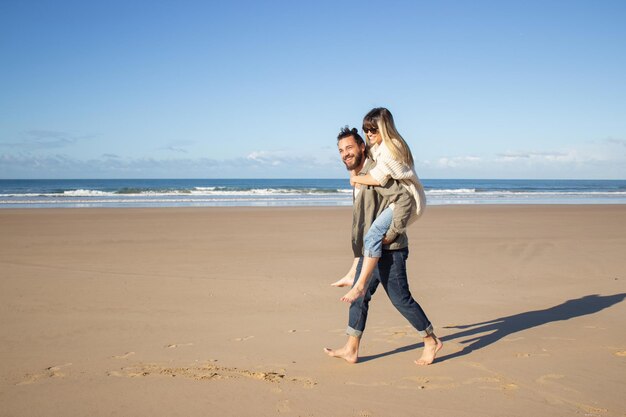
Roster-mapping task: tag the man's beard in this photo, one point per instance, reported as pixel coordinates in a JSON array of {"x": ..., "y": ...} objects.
[{"x": 358, "y": 158}]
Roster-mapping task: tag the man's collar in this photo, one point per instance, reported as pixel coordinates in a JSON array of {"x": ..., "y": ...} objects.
[{"x": 366, "y": 166}]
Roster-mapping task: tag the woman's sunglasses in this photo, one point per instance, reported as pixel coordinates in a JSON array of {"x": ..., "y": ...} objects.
[{"x": 368, "y": 130}]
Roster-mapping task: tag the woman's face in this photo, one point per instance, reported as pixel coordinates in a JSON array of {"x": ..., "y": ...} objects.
[{"x": 373, "y": 136}]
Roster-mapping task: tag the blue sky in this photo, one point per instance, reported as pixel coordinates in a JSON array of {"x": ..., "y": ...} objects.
[{"x": 259, "y": 89}]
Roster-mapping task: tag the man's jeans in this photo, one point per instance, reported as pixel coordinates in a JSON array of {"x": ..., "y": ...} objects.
[{"x": 391, "y": 273}]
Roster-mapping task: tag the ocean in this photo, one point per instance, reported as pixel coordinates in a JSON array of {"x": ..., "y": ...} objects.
[{"x": 292, "y": 192}]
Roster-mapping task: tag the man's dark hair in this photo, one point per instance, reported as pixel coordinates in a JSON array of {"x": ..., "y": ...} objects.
[
  {"x": 354, "y": 132},
  {"x": 346, "y": 131}
]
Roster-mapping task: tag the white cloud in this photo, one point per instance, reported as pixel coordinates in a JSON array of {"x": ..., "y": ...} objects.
[
  {"x": 175, "y": 149},
  {"x": 259, "y": 164},
  {"x": 513, "y": 156},
  {"x": 178, "y": 146},
  {"x": 37, "y": 139},
  {"x": 598, "y": 159},
  {"x": 620, "y": 142},
  {"x": 326, "y": 157},
  {"x": 267, "y": 158},
  {"x": 455, "y": 161},
  {"x": 595, "y": 159}
]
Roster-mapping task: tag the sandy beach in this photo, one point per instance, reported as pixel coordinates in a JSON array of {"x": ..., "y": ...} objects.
[{"x": 226, "y": 311}]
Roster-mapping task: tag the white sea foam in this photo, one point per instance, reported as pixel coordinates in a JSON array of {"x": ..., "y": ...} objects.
[
  {"x": 455, "y": 191},
  {"x": 164, "y": 202},
  {"x": 198, "y": 191},
  {"x": 262, "y": 192},
  {"x": 309, "y": 193},
  {"x": 85, "y": 193}
]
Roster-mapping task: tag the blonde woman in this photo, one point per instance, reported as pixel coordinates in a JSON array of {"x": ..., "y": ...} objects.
[{"x": 393, "y": 161}]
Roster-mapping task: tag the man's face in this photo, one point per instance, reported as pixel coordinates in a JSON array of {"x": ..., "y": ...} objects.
[{"x": 350, "y": 152}]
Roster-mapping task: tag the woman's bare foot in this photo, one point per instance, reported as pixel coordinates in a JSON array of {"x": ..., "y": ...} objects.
[
  {"x": 432, "y": 345},
  {"x": 345, "y": 353},
  {"x": 354, "y": 294},
  {"x": 344, "y": 282},
  {"x": 348, "y": 279}
]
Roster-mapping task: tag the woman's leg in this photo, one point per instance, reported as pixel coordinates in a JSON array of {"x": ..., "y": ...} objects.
[
  {"x": 372, "y": 250},
  {"x": 348, "y": 279}
]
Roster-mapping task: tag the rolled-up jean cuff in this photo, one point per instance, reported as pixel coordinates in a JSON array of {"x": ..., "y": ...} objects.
[
  {"x": 372, "y": 254},
  {"x": 426, "y": 332},
  {"x": 354, "y": 332}
]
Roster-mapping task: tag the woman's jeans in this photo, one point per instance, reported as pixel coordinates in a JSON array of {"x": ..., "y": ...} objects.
[
  {"x": 391, "y": 273},
  {"x": 373, "y": 240}
]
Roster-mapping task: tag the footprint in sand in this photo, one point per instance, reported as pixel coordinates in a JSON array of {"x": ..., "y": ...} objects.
[
  {"x": 175, "y": 345},
  {"x": 422, "y": 381},
  {"x": 124, "y": 356},
  {"x": 492, "y": 383},
  {"x": 528, "y": 355},
  {"x": 510, "y": 386},
  {"x": 50, "y": 372},
  {"x": 431, "y": 382},
  {"x": 551, "y": 379},
  {"x": 243, "y": 339},
  {"x": 591, "y": 411},
  {"x": 559, "y": 399},
  {"x": 620, "y": 353},
  {"x": 207, "y": 371},
  {"x": 481, "y": 379},
  {"x": 544, "y": 379},
  {"x": 304, "y": 382}
]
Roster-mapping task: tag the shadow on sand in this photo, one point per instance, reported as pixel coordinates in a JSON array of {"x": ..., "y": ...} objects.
[{"x": 505, "y": 326}]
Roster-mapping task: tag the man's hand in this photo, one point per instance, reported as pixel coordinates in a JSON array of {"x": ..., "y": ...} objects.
[{"x": 386, "y": 241}]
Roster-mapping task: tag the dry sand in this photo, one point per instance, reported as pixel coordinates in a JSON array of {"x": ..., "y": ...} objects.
[{"x": 225, "y": 311}]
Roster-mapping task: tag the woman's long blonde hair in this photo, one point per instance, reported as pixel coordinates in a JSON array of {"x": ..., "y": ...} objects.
[{"x": 381, "y": 119}]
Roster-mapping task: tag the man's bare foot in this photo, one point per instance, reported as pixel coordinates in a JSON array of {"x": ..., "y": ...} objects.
[
  {"x": 353, "y": 295},
  {"x": 432, "y": 345},
  {"x": 345, "y": 353},
  {"x": 344, "y": 282}
]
